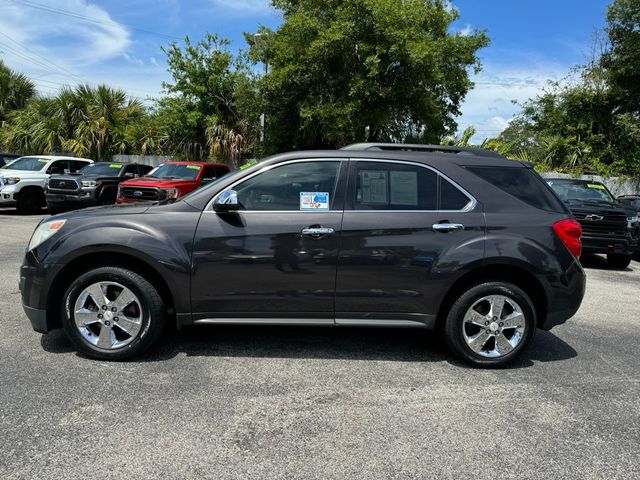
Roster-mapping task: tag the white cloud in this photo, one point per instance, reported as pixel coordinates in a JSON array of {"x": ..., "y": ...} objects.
[
  {"x": 58, "y": 46},
  {"x": 490, "y": 105},
  {"x": 466, "y": 31},
  {"x": 246, "y": 6}
]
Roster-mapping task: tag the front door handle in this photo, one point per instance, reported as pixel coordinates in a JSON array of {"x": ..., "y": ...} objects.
[
  {"x": 446, "y": 227},
  {"x": 317, "y": 232}
]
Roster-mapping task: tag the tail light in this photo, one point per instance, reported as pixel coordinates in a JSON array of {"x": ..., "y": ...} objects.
[{"x": 570, "y": 231}]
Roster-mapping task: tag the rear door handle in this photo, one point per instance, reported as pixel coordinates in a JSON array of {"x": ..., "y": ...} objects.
[
  {"x": 446, "y": 227},
  {"x": 317, "y": 232}
]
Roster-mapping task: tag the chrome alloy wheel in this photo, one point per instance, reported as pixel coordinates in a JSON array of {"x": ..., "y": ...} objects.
[
  {"x": 108, "y": 315},
  {"x": 493, "y": 326}
]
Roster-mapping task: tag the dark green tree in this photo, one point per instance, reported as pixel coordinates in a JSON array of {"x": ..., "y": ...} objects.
[
  {"x": 210, "y": 108},
  {"x": 622, "y": 60},
  {"x": 363, "y": 70}
]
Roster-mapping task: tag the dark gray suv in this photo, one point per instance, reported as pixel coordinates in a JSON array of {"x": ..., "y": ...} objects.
[{"x": 372, "y": 235}]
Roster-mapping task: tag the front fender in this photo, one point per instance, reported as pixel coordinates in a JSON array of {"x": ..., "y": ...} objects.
[{"x": 162, "y": 242}]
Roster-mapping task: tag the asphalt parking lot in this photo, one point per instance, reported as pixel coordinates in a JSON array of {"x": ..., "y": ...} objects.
[{"x": 252, "y": 402}]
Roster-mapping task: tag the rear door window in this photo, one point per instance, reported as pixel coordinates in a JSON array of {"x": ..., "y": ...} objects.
[
  {"x": 522, "y": 183},
  {"x": 385, "y": 185}
]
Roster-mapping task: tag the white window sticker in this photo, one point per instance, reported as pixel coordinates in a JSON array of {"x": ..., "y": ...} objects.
[
  {"x": 404, "y": 188},
  {"x": 314, "y": 201},
  {"x": 374, "y": 186}
]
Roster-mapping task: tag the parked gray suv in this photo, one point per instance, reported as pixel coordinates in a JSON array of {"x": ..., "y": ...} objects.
[{"x": 372, "y": 235}]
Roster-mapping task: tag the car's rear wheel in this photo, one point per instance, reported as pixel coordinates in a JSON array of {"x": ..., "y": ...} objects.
[
  {"x": 490, "y": 324},
  {"x": 112, "y": 313},
  {"x": 618, "y": 260}
]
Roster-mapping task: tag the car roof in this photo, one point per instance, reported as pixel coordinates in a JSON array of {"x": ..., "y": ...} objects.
[
  {"x": 433, "y": 158},
  {"x": 189, "y": 162},
  {"x": 58, "y": 157},
  {"x": 424, "y": 148}
]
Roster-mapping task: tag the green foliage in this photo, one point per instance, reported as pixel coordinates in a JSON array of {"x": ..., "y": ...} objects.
[
  {"x": 15, "y": 91},
  {"x": 90, "y": 122},
  {"x": 622, "y": 60},
  {"x": 363, "y": 70},
  {"x": 590, "y": 122},
  {"x": 211, "y": 102}
]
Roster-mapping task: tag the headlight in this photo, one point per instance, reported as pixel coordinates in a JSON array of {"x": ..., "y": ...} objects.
[
  {"x": 44, "y": 231},
  {"x": 170, "y": 192},
  {"x": 11, "y": 180},
  {"x": 90, "y": 183}
]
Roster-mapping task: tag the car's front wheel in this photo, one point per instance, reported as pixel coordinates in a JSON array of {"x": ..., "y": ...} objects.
[
  {"x": 490, "y": 324},
  {"x": 618, "y": 260},
  {"x": 113, "y": 313}
]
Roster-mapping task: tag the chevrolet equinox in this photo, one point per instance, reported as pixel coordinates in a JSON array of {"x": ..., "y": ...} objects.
[{"x": 458, "y": 239}]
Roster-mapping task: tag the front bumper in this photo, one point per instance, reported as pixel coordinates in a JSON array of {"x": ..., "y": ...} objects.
[
  {"x": 35, "y": 282},
  {"x": 604, "y": 244},
  {"x": 84, "y": 198},
  {"x": 8, "y": 196}
]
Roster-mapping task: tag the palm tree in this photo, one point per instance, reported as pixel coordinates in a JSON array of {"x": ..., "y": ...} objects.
[
  {"x": 91, "y": 122},
  {"x": 15, "y": 91}
]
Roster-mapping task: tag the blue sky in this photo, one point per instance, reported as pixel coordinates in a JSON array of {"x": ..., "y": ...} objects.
[{"x": 118, "y": 42}]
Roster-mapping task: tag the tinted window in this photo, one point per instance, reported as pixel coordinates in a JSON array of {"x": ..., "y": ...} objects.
[
  {"x": 451, "y": 198},
  {"x": 395, "y": 186},
  {"x": 77, "y": 165},
  {"x": 524, "y": 184},
  {"x": 569, "y": 190},
  {"x": 221, "y": 171},
  {"x": 33, "y": 164},
  {"x": 208, "y": 174},
  {"x": 176, "y": 170},
  {"x": 101, "y": 168},
  {"x": 144, "y": 169},
  {"x": 59, "y": 167},
  {"x": 282, "y": 188}
]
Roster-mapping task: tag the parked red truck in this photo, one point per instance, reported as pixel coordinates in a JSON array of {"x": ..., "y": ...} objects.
[{"x": 170, "y": 180}]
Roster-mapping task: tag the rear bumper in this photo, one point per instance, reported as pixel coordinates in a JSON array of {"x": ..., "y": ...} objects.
[{"x": 564, "y": 295}]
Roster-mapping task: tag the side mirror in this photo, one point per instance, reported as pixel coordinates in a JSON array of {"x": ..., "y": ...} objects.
[
  {"x": 227, "y": 202},
  {"x": 204, "y": 181},
  {"x": 130, "y": 175}
]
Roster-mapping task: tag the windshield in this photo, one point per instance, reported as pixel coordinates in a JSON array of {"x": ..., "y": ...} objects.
[
  {"x": 32, "y": 164},
  {"x": 582, "y": 191},
  {"x": 103, "y": 168},
  {"x": 175, "y": 170}
]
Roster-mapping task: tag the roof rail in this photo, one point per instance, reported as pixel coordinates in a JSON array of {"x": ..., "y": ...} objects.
[{"x": 405, "y": 147}]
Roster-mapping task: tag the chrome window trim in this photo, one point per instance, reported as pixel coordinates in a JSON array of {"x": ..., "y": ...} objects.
[
  {"x": 468, "y": 208},
  {"x": 209, "y": 207}
]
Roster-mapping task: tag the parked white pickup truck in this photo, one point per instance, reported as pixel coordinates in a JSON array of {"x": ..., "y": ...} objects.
[{"x": 22, "y": 181}]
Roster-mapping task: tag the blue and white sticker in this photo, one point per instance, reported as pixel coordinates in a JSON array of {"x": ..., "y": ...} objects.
[{"x": 314, "y": 201}]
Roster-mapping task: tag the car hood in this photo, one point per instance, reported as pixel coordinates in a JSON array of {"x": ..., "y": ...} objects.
[
  {"x": 106, "y": 210},
  {"x": 590, "y": 207},
  {"x": 158, "y": 182}
]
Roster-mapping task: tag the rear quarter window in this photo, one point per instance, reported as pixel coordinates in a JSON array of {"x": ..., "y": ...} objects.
[{"x": 522, "y": 183}]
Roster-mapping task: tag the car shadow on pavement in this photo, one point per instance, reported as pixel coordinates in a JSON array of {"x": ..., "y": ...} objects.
[
  {"x": 402, "y": 345},
  {"x": 12, "y": 212},
  {"x": 598, "y": 262}
]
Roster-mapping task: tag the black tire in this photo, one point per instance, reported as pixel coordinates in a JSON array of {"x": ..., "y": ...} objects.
[
  {"x": 30, "y": 201},
  {"x": 153, "y": 320},
  {"x": 618, "y": 260},
  {"x": 454, "y": 323}
]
